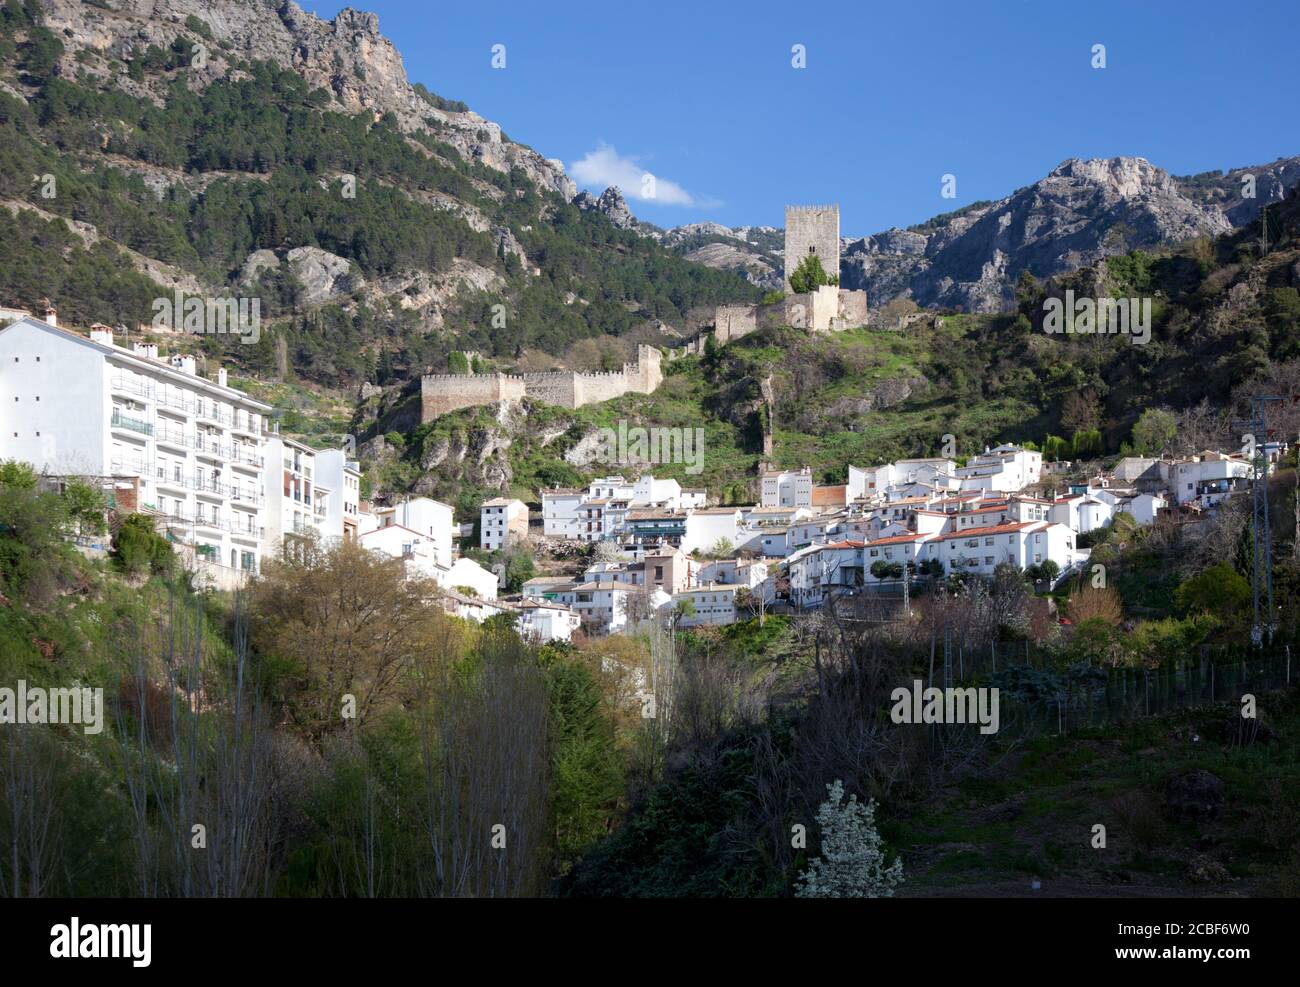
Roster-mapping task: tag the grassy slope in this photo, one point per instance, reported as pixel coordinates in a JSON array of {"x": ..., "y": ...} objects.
[{"x": 1031, "y": 814}]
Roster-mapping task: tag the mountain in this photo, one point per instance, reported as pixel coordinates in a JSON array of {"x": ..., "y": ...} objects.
[
  {"x": 253, "y": 149},
  {"x": 346, "y": 56},
  {"x": 969, "y": 259}
]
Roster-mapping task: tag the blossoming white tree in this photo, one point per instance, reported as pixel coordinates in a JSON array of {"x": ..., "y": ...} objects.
[{"x": 852, "y": 863}]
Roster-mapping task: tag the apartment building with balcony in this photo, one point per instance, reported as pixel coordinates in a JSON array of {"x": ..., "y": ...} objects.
[
  {"x": 297, "y": 495},
  {"x": 341, "y": 478},
  {"x": 82, "y": 405}
]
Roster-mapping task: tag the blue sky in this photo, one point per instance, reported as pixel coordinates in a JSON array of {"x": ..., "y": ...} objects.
[{"x": 894, "y": 95}]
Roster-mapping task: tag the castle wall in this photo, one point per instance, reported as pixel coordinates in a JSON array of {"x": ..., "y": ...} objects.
[
  {"x": 853, "y": 310},
  {"x": 592, "y": 388},
  {"x": 824, "y": 308},
  {"x": 812, "y": 229},
  {"x": 443, "y": 393},
  {"x": 733, "y": 321},
  {"x": 558, "y": 387},
  {"x": 440, "y": 394},
  {"x": 645, "y": 376}
]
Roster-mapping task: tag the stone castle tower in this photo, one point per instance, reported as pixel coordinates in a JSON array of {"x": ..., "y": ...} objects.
[{"x": 812, "y": 230}]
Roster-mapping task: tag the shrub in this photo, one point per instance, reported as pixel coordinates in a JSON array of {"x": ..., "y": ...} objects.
[
  {"x": 852, "y": 861},
  {"x": 139, "y": 549}
]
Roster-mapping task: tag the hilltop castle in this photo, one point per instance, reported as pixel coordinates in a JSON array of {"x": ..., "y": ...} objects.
[
  {"x": 809, "y": 230},
  {"x": 442, "y": 393}
]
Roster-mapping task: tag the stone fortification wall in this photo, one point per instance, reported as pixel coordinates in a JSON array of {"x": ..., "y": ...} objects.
[{"x": 442, "y": 393}]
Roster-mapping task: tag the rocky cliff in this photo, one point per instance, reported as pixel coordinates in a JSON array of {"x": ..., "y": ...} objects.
[{"x": 346, "y": 56}]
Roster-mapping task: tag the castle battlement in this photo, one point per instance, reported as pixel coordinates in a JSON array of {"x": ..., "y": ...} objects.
[
  {"x": 471, "y": 377},
  {"x": 443, "y": 393}
]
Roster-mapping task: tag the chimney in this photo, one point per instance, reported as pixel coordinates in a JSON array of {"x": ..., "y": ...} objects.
[
  {"x": 147, "y": 350},
  {"x": 51, "y": 314},
  {"x": 100, "y": 334},
  {"x": 221, "y": 377},
  {"x": 185, "y": 364}
]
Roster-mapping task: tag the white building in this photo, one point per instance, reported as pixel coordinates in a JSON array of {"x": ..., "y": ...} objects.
[
  {"x": 341, "y": 479},
  {"x": 1209, "y": 478},
  {"x": 1005, "y": 469},
  {"x": 556, "y": 589},
  {"x": 82, "y": 405},
  {"x": 541, "y": 621},
  {"x": 1145, "y": 507},
  {"x": 466, "y": 574},
  {"x": 787, "y": 488},
  {"x": 707, "y": 526},
  {"x": 711, "y": 605},
  {"x": 430, "y": 519},
  {"x": 560, "y": 513},
  {"x": 502, "y": 522},
  {"x": 297, "y": 498}
]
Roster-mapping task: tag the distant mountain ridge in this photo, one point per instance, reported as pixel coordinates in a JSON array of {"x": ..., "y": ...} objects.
[{"x": 1081, "y": 212}]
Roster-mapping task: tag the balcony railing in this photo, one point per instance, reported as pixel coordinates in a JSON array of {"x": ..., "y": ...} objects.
[
  {"x": 210, "y": 412},
  {"x": 173, "y": 436},
  {"x": 170, "y": 399},
  {"x": 129, "y": 385},
  {"x": 217, "y": 523},
  {"x": 134, "y": 424}
]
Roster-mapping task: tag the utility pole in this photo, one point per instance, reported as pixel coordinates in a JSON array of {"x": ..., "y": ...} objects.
[{"x": 1256, "y": 439}]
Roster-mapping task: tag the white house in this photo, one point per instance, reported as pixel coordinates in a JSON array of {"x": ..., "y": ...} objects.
[
  {"x": 787, "y": 488},
  {"x": 341, "y": 479},
  {"x": 821, "y": 571},
  {"x": 1145, "y": 507},
  {"x": 549, "y": 588},
  {"x": 297, "y": 500},
  {"x": 710, "y": 605},
  {"x": 430, "y": 519},
  {"x": 544, "y": 621},
  {"x": 1209, "y": 478},
  {"x": 560, "y": 513},
  {"x": 502, "y": 522},
  {"x": 467, "y": 574},
  {"x": 400, "y": 542},
  {"x": 705, "y": 527},
  {"x": 1005, "y": 469}
]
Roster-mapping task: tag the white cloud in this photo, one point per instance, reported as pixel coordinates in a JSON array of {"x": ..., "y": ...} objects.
[{"x": 604, "y": 167}]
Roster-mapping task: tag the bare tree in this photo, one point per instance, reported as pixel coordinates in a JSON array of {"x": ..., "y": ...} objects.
[
  {"x": 31, "y": 811},
  {"x": 198, "y": 758},
  {"x": 485, "y": 769}
]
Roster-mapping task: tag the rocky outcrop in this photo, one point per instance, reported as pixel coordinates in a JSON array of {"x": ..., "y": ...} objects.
[
  {"x": 323, "y": 275},
  {"x": 1080, "y": 213},
  {"x": 612, "y": 204},
  {"x": 347, "y": 57}
]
